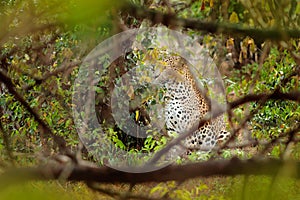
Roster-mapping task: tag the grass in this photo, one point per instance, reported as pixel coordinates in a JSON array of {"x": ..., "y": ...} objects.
[{"x": 218, "y": 188}]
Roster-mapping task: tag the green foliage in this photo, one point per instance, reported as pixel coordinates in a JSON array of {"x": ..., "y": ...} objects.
[
  {"x": 114, "y": 137},
  {"x": 53, "y": 104},
  {"x": 198, "y": 9},
  {"x": 240, "y": 187},
  {"x": 262, "y": 187},
  {"x": 274, "y": 118},
  {"x": 38, "y": 37},
  {"x": 48, "y": 191},
  {"x": 152, "y": 144},
  {"x": 170, "y": 189}
]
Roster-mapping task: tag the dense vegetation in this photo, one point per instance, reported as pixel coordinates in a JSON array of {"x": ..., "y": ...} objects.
[{"x": 255, "y": 46}]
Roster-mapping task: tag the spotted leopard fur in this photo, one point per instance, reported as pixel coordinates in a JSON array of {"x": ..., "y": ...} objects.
[{"x": 185, "y": 106}]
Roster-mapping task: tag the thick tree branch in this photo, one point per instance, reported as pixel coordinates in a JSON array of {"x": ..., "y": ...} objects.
[
  {"x": 212, "y": 27},
  {"x": 231, "y": 167}
]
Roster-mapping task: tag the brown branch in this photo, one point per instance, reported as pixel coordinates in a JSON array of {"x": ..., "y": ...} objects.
[
  {"x": 276, "y": 95},
  {"x": 212, "y": 27},
  {"x": 261, "y": 102},
  {"x": 39, "y": 80},
  {"x": 231, "y": 167},
  {"x": 62, "y": 68},
  {"x": 289, "y": 135}
]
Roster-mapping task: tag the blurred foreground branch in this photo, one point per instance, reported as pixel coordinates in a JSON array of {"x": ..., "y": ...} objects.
[
  {"x": 170, "y": 19},
  {"x": 231, "y": 167}
]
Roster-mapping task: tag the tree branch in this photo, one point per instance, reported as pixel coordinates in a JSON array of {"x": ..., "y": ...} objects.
[
  {"x": 212, "y": 27},
  {"x": 231, "y": 167},
  {"x": 276, "y": 95}
]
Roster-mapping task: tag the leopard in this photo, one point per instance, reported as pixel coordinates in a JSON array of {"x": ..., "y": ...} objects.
[{"x": 186, "y": 104}]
